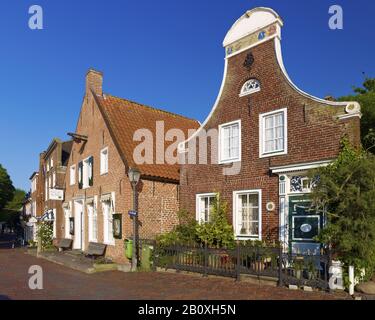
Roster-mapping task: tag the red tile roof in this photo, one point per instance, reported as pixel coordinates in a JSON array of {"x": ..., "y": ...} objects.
[{"x": 124, "y": 118}]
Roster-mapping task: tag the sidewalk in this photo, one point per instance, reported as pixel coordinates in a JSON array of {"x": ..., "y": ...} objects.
[{"x": 77, "y": 261}]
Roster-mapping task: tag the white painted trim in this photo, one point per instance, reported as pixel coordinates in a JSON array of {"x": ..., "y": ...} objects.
[
  {"x": 70, "y": 175},
  {"x": 300, "y": 166},
  {"x": 218, "y": 98},
  {"x": 198, "y": 196},
  {"x": 221, "y": 126},
  {"x": 261, "y": 133},
  {"x": 246, "y": 15},
  {"x": 234, "y": 213},
  {"x": 350, "y": 115},
  {"x": 252, "y": 45},
  {"x": 282, "y": 67}
]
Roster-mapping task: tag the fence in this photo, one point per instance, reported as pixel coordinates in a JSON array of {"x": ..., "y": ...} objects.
[{"x": 270, "y": 262}]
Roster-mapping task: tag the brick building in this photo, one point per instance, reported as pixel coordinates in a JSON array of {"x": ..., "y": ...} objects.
[
  {"x": 270, "y": 133},
  {"x": 97, "y": 188}
]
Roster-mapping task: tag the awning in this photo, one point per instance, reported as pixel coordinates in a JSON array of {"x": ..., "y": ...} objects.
[
  {"x": 105, "y": 197},
  {"x": 300, "y": 166}
]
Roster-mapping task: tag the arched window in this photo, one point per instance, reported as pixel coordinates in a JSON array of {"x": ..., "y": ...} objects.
[{"x": 249, "y": 87}]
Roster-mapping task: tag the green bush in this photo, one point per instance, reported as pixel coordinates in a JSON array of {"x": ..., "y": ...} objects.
[
  {"x": 45, "y": 232},
  {"x": 346, "y": 193}
]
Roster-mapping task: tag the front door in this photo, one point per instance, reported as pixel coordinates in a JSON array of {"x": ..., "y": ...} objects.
[
  {"x": 304, "y": 224},
  {"x": 79, "y": 226}
]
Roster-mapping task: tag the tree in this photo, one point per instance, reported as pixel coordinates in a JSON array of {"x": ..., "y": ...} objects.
[
  {"x": 18, "y": 198},
  {"x": 346, "y": 193},
  {"x": 366, "y": 97},
  {"x": 6, "y": 188}
]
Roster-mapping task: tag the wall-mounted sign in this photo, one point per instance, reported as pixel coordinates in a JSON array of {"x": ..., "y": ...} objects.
[
  {"x": 132, "y": 213},
  {"x": 56, "y": 194},
  {"x": 117, "y": 226}
]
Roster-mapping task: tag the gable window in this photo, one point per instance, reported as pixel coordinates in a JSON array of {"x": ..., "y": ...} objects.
[
  {"x": 230, "y": 142},
  {"x": 88, "y": 173},
  {"x": 247, "y": 207},
  {"x": 273, "y": 133},
  {"x": 204, "y": 206},
  {"x": 250, "y": 87},
  {"x": 73, "y": 175},
  {"x": 104, "y": 161}
]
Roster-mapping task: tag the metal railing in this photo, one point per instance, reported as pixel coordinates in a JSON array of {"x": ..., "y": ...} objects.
[{"x": 269, "y": 262}]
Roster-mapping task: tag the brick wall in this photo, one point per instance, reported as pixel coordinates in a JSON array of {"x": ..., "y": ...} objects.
[{"x": 314, "y": 133}]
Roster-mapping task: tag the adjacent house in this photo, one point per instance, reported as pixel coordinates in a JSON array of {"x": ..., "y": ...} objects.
[
  {"x": 98, "y": 194},
  {"x": 269, "y": 134}
]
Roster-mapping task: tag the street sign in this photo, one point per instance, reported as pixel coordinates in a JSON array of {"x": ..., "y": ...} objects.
[{"x": 132, "y": 213}]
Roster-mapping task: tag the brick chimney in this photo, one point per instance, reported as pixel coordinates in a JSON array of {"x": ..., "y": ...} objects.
[{"x": 94, "y": 81}]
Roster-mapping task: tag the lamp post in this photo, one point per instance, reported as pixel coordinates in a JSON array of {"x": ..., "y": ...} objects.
[{"x": 134, "y": 176}]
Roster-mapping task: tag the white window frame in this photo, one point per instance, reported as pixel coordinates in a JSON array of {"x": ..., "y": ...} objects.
[
  {"x": 54, "y": 230},
  {"x": 198, "y": 209},
  {"x": 86, "y": 173},
  {"x": 51, "y": 162},
  {"x": 236, "y": 194},
  {"x": 108, "y": 237},
  {"x": 91, "y": 210},
  {"x": 53, "y": 179},
  {"x": 104, "y": 166},
  {"x": 243, "y": 93},
  {"x": 262, "y": 135},
  {"x": 221, "y": 127},
  {"x": 72, "y": 177}
]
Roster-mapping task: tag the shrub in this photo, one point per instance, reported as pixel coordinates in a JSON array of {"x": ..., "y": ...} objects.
[
  {"x": 346, "y": 193},
  {"x": 45, "y": 232}
]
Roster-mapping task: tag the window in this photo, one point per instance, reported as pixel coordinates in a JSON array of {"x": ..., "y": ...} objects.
[
  {"x": 93, "y": 224},
  {"x": 51, "y": 163},
  {"x": 247, "y": 206},
  {"x": 104, "y": 161},
  {"x": 73, "y": 175},
  {"x": 108, "y": 220},
  {"x": 273, "y": 133},
  {"x": 230, "y": 142},
  {"x": 87, "y": 173},
  {"x": 46, "y": 189},
  {"x": 204, "y": 203},
  {"x": 250, "y": 87},
  {"x": 54, "y": 179}
]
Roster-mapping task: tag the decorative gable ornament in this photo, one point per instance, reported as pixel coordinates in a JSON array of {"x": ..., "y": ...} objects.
[
  {"x": 249, "y": 61},
  {"x": 249, "y": 87}
]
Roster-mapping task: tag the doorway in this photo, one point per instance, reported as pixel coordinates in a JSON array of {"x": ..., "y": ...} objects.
[{"x": 79, "y": 234}]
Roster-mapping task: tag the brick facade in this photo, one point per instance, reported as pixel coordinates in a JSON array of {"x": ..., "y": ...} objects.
[
  {"x": 314, "y": 131},
  {"x": 157, "y": 197}
]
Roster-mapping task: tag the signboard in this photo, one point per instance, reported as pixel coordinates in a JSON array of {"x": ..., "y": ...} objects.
[
  {"x": 133, "y": 213},
  {"x": 56, "y": 194}
]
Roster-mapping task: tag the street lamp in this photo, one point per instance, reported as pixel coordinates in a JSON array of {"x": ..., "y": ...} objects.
[{"x": 134, "y": 176}]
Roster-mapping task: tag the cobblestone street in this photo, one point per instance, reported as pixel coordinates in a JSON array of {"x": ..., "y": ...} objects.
[{"x": 60, "y": 282}]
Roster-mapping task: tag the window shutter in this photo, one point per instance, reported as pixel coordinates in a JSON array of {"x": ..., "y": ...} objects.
[
  {"x": 91, "y": 177},
  {"x": 80, "y": 175}
]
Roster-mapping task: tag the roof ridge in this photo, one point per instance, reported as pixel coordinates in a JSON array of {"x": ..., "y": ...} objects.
[{"x": 153, "y": 108}]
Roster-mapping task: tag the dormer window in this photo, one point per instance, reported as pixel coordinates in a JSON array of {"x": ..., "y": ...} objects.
[{"x": 250, "y": 87}]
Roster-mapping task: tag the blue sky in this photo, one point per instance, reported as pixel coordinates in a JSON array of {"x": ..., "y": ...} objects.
[{"x": 165, "y": 53}]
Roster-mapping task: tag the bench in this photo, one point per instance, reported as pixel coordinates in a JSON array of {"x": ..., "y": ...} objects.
[
  {"x": 95, "y": 250},
  {"x": 64, "y": 244}
]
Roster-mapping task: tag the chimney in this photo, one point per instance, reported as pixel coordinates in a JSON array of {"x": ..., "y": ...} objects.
[{"x": 94, "y": 82}]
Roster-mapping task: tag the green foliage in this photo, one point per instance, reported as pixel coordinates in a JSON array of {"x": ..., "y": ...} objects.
[
  {"x": 183, "y": 233},
  {"x": 18, "y": 198},
  {"x": 6, "y": 187},
  {"x": 217, "y": 232},
  {"x": 366, "y": 97},
  {"x": 346, "y": 193},
  {"x": 45, "y": 232}
]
